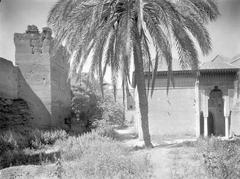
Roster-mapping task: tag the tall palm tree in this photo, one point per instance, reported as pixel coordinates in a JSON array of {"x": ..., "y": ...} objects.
[{"x": 114, "y": 31}]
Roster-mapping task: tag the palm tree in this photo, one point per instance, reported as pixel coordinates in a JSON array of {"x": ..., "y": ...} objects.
[{"x": 114, "y": 31}]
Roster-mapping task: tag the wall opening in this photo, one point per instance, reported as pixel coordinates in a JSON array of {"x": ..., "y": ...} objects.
[
  {"x": 216, "y": 120},
  {"x": 201, "y": 124},
  {"x": 211, "y": 129}
]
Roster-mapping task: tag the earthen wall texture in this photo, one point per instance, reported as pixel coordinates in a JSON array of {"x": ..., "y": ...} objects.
[
  {"x": 173, "y": 113},
  {"x": 8, "y": 79},
  {"x": 60, "y": 87},
  {"x": 235, "y": 114},
  {"x": 14, "y": 113},
  {"x": 183, "y": 80},
  {"x": 42, "y": 77},
  {"x": 34, "y": 76}
]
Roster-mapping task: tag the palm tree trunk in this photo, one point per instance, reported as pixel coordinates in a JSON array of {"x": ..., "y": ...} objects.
[{"x": 140, "y": 81}]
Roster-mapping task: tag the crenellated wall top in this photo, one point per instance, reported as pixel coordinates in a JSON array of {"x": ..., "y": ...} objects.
[{"x": 39, "y": 42}]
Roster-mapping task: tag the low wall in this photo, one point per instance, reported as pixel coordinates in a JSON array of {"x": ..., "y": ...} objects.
[
  {"x": 8, "y": 79},
  {"x": 14, "y": 86},
  {"x": 42, "y": 117}
]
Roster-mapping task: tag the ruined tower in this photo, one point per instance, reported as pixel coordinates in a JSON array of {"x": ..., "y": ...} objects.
[{"x": 44, "y": 70}]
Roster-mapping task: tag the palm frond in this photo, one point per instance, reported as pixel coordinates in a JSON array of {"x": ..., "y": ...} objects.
[
  {"x": 187, "y": 53},
  {"x": 107, "y": 29}
]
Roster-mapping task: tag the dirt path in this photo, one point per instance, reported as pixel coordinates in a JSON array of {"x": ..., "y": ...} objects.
[
  {"x": 162, "y": 162},
  {"x": 170, "y": 160}
]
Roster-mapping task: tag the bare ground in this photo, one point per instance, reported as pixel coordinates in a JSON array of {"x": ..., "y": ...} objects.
[{"x": 171, "y": 159}]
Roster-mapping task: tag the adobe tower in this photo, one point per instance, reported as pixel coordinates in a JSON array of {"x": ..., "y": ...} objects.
[{"x": 45, "y": 72}]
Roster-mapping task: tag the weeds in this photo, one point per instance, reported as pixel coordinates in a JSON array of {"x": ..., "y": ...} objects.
[
  {"x": 38, "y": 139},
  {"x": 101, "y": 157},
  {"x": 59, "y": 169},
  {"x": 221, "y": 158},
  {"x": 27, "y": 147}
]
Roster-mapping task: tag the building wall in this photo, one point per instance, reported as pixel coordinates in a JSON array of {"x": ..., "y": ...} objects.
[
  {"x": 42, "y": 78},
  {"x": 8, "y": 79},
  {"x": 14, "y": 114},
  {"x": 34, "y": 79},
  {"x": 60, "y": 87},
  {"x": 42, "y": 117},
  {"x": 235, "y": 114},
  {"x": 224, "y": 80},
  {"x": 235, "y": 122},
  {"x": 13, "y": 85},
  {"x": 173, "y": 113},
  {"x": 227, "y": 83}
]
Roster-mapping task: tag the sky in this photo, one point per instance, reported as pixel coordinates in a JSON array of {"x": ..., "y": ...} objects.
[{"x": 16, "y": 15}]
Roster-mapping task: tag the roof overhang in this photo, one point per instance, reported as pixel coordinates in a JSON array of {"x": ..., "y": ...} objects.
[{"x": 202, "y": 71}]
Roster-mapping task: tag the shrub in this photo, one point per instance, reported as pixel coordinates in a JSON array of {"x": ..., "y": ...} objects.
[
  {"x": 105, "y": 128},
  {"x": 221, "y": 158},
  {"x": 18, "y": 147},
  {"x": 113, "y": 111},
  {"x": 7, "y": 144},
  {"x": 89, "y": 107},
  {"x": 38, "y": 139},
  {"x": 11, "y": 143},
  {"x": 101, "y": 157},
  {"x": 17, "y": 138},
  {"x": 85, "y": 106}
]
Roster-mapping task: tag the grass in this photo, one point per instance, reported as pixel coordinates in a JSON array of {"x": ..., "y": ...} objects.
[
  {"x": 95, "y": 156},
  {"x": 216, "y": 158},
  {"x": 186, "y": 164},
  {"x": 92, "y": 155},
  {"x": 98, "y": 155},
  {"x": 221, "y": 157},
  {"x": 19, "y": 147}
]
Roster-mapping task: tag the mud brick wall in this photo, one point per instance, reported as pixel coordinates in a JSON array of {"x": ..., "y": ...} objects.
[{"x": 14, "y": 113}]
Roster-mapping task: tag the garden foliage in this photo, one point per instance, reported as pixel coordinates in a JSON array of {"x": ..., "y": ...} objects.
[{"x": 221, "y": 157}]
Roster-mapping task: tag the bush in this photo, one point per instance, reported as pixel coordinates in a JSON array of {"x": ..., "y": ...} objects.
[
  {"x": 74, "y": 146},
  {"x": 101, "y": 157},
  {"x": 85, "y": 107},
  {"x": 15, "y": 138},
  {"x": 89, "y": 107},
  {"x": 10, "y": 144},
  {"x": 38, "y": 139},
  {"x": 105, "y": 128},
  {"x": 7, "y": 144},
  {"x": 18, "y": 147},
  {"x": 113, "y": 111},
  {"x": 221, "y": 158}
]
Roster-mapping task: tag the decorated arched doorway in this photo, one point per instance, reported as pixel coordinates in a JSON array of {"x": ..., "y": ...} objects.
[{"x": 216, "y": 120}]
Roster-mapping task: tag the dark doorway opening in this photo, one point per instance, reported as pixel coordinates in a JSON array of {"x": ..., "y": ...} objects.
[
  {"x": 216, "y": 121},
  {"x": 211, "y": 130},
  {"x": 201, "y": 124},
  {"x": 210, "y": 124}
]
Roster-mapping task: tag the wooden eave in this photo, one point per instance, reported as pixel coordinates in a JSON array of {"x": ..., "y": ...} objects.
[{"x": 191, "y": 72}]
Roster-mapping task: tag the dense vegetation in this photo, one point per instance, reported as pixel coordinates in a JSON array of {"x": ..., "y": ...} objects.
[
  {"x": 91, "y": 155},
  {"x": 213, "y": 158},
  {"x": 93, "y": 110},
  {"x": 221, "y": 157}
]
